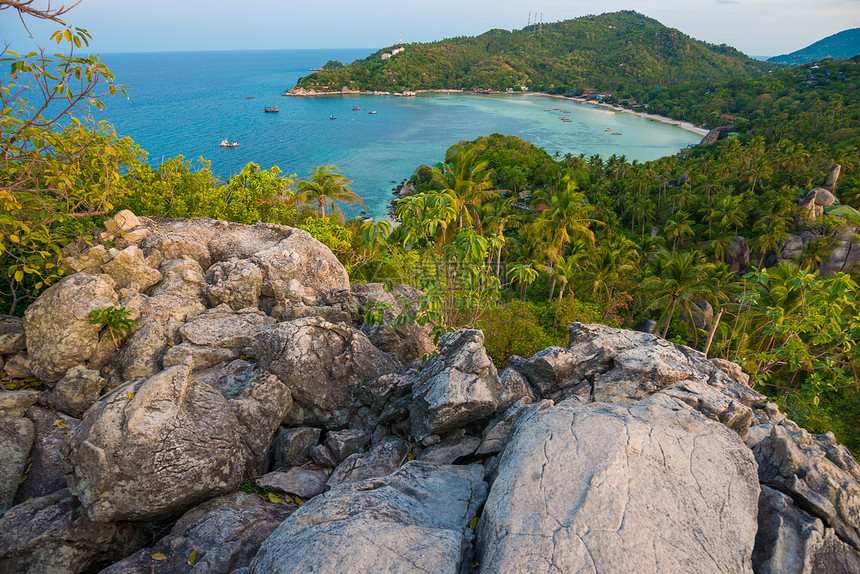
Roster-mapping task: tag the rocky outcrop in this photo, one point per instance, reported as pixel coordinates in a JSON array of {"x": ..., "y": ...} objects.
[
  {"x": 413, "y": 521},
  {"x": 153, "y": 448},
  {"x": 53, "y": 534},
  {"x": 251, "y": 357}
]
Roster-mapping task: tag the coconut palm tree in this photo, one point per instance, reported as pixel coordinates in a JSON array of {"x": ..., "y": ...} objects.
[
  {"x": 326, "y": 186},
  {"x": 681, "y": 278}
]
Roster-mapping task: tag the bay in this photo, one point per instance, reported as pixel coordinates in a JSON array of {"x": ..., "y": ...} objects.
[{"x": 185, "y": 103}]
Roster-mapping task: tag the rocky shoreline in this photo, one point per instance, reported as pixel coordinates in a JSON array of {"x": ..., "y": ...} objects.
[{"x": 253, "y": 422}]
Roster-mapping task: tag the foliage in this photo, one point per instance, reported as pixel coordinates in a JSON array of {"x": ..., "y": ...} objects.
[
  {"x": 116, "y": 320},
  {"x": 512, "y": 329}
]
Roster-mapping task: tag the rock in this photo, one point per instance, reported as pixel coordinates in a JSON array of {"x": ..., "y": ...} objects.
[
  {"x": 498, "y": 432},
  {"x": 238, "y": 283},
  {"x": 76, "y": 391},
  {"x": 733, "y": 370},
  {"x": 122, "y": 222},
  {"x": 600, "y": 488},
  {"x": 60, "y": 334},
  {"x": 18, "y": 366},
  {"x": 513, "y": 387},
  {"x": 46, "y": 472},
  {"x": 381, "y": 391},
  {"x": 89, "y": 260},
  {"x": 51, "y": 534},
  {"x": 182, "y": 277},
  {"x": 346, "y": 442},
  {"x": 816, "y": 200},
  {"x": 701, "y": 315},
  {"x": 455, "y": 387},
  {"x": 449, "y": 450},
  {"x": 832, "y": 178},
  {"x": 128, "y": 268},
  {"x": 291, "y": 447},
  {"x": 142, "y": 355},
  {"x": 322, "y": 456},
  {"x": 322, "y": 364},
  {"x": 302, "y": 258},
  {"x": 739, "y": 255},
  {"x": 198, "y": 357},
  {"x": 16, "y": 403},
  {"x": 816, "y": 471},
  {"x": 303, "y": 482},
  {"x": 224, "y": 532},
  {"x": 259, "y": 409},
  {"x": 381, "y": 460},
  {"x": 153, "y": 448},
  {"x": 12, "y": 338},
  {"x": 225, "y": 328},
  {"x": 792, "y": 248},
  {"x": 646, "y": 326},
  {"x": 16, "y": 438},
  {"x": 409, "y": 341},
  {"x": 414, "y": 520},
  {"x": 715, "y": 134},
  {"x": 844, "y": 256}
]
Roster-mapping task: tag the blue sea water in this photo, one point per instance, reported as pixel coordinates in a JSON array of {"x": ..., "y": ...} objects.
[{"x": 185, "y": 103}]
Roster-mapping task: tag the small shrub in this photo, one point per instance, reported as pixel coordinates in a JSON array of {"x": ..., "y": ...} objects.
[
  {"x": 116, "y": 320},
  {"x": 512, "y": 329}
]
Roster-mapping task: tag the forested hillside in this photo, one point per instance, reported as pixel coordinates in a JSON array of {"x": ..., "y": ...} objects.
[
  {"x": 845, "y": 44},
  {"x": 619, "y": 52}
]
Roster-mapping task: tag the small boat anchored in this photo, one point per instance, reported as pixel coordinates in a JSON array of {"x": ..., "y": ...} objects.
[
  {"x": 332, "y": 117},
  {"x": 373, "y": 112},
  {"x": 272, "y": 110},
  {"x": 226, "y": 143},
  {"x": 356, "y": 109}
]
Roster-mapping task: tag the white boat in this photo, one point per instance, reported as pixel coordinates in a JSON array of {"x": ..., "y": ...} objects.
[{"x": 226, "y": 143}]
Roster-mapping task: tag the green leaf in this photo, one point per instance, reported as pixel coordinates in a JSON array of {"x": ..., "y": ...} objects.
[
  {"x": 192, "y": 558},
  {"x": 159, "y": 556},
  {"x": 273, "y": 497}
]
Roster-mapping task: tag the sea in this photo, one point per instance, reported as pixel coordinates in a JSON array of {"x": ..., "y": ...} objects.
[{"x": 185, "y": 103}]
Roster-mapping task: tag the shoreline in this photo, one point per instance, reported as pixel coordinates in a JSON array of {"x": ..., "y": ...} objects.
[{"x": 302, "y": 93}]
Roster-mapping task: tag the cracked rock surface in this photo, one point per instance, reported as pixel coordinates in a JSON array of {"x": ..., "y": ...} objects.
[
  {"x": 412, "y": 521},
  {"x": 598, "y": 487}
]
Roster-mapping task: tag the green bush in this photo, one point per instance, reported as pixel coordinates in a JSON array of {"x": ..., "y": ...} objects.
[{"x": 512, "y": 329}]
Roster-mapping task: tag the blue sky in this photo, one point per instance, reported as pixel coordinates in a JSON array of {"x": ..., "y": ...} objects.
[{"x": 756, "y": 27}]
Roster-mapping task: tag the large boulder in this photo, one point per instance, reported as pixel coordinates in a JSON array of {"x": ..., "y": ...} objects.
[
  {"x": 77, "y": 391},
  {"x": 415, "y": 520},
  {"x": 455, "y": 387},
  {"x": 127, "y": 268},
  {"x": 217, "y": 537},
  {"x": 16, "y": 438},
  {"x": 60, "y": 334},
  {"x": 322, "y": 364},
  {"x": 52, "y": 534},
  {"x": 152, "y": 448},
  {"x": 611, "y": 488},
  {"x": 46, "y": 472},
  {"x": 238, "y": 283}
]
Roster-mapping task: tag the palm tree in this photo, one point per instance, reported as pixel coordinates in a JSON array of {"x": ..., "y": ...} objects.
[
  {"x": 679, "y": 227},
  {"x": 469, "y": 181},
  {"x": 326, "y": 186},
  {"x": 682, "y": 278}
]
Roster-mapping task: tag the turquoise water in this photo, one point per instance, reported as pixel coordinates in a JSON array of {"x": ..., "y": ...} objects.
[{"x": 184, "y": 103}]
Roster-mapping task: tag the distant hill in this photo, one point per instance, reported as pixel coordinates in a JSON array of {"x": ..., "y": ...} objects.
[
  {"x": 622, "y": 52},
  {"x": 845, "y": 44}
]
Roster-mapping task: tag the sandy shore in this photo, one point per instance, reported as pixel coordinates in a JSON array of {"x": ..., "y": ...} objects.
[{"x": 653, "y": 117}]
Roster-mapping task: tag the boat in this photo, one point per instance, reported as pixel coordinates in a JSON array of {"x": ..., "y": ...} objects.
[
  {"x": 356, "y": 109},
  {"x": 332, "y": 117},
  {"x": 617, "y": 133},
  {"x": 608, "y": 130},
  {"x": 373, "y": 112},
  {"x": 225, "y": 143},
  {"x": 272, "y": 110}
]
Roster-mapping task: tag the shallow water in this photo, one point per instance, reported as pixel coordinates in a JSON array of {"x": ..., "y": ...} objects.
[{"x": 185, "y": 103}]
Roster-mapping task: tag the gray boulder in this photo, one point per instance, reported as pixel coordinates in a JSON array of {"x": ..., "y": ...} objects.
[
  {"x": 77, "y": 391},
  {"x": 182, "y": 277},
  {"x": 322, "y": 364},
  {"x": 16, "y": 403},
  {"x": 238, "y": 283},
  {"x": 346, "y": 442},
  {"x": 449, "y": 450},
  {"x": 60, "y": 334},
  {"x": 52, "y": 535},
  {"x": 412, "y": 521},
  {"x": 223, "y": 535},
  {"x": 16, "y": 438},
  {"x": 513, "y": 385},
  {"x": 46, "y": 472},
  {"x": 739, "y": 255},
  {"x": 832, "y": 178},
  {"x": 303, "y": 482},
  {"x": 816, "y": 471},
  {"x": 127, "y": 268},
  {"x": 152, "y": 448},
  {"x": 291, "y": 447},
  {"x": 611, "y": 488},
  {"x": 381, "y": 460},
  {"x": 455, "y": 387}
]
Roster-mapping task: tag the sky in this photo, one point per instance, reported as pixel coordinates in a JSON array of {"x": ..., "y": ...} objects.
[{"x": 756, "y": 27}]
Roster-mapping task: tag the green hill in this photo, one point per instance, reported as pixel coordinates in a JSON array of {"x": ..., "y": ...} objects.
[
  {"x": 845, "y": 44},
  {"x": 622, "y": 52}
]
